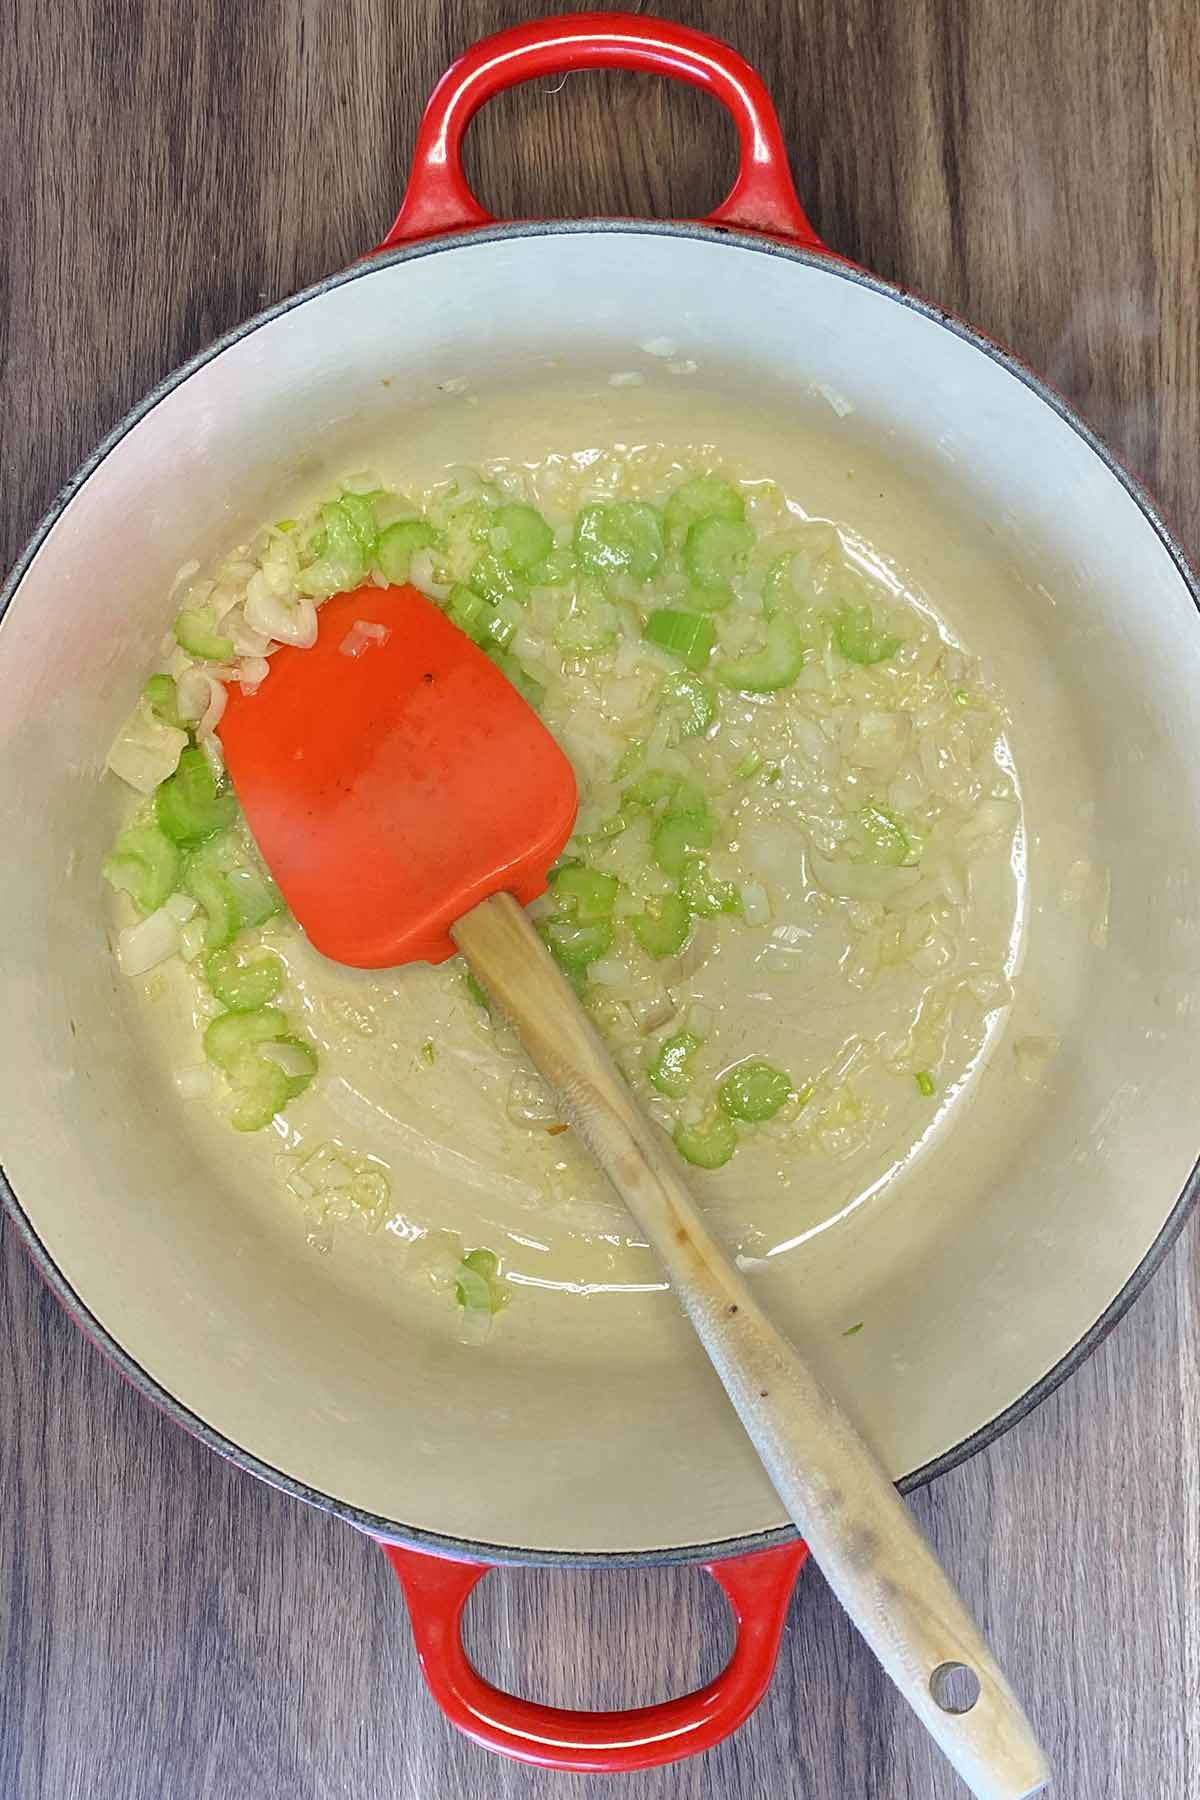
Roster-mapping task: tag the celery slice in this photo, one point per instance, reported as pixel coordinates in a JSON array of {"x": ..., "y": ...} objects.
[
  {"x": 556, "y": 568},
  {"x": 776, "y": 665},
  {"x": 883, "y": 838},
  {"x": 243, "y": 982},
  {"x": 690, "y": 705},
  {"x": 340, "y": 561},
  {"x": 705, "y": 496},
  {"x": 494, "y": 579},
  {"x": 196, "y": 632},
  {"x": 714, "y": 551},
  {"x": 678, "y": 835},
  {"x": 161, "y": 693},
  {"x": 261, "y": 1087},
  {"x": 858, "y": 638},
  {"x": 477, "y": 1287},
  {"x": 531, "y": 691},
  {"x": 254, "y": 894},
  {"x": 623, "y": 538},
  {"x": 925, "y": 1083},
  {"x": 669, "y": 1071},
  {"x": 189, "y": 806},
  {"x": 662, "y": 930},
  {"x": 708, "y": 1145},
  {"x": 754, "y": 1091},
  {"x": 585, "y": 894},
  {"x": 525, "y": 537},
  {"x": 399, "y": 544},
  {"x": 359, "y": 513},
  {"x": 145, "y": 865},
  {"x": 231, "y": 1034},
  {"x": 575, "y": 946},
  {"x": 491, "y": 626},
  {"x": 687, "y": 635}
]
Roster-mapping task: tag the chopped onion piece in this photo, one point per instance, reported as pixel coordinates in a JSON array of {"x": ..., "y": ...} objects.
[
  {"x": 291, "y": 620},
  {"x": 756, "y": 905},
  {"x": 181, "y": 907},
  {"x": 361, "y": 634},
  {"x": 147, "y": 751},
  {"x": 143, "y": 946},
  {"x": 252, "y": 671}
]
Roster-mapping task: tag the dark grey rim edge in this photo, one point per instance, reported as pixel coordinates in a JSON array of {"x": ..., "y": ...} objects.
[{"x": 388, "y": 1529}]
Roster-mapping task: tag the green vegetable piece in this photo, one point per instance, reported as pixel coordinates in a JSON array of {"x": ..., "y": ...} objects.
[
  {"x": 688, "y": 635},
  {"x": 526, "y": 539},
  {"x": 196, "y": 632},
  {"x": 476, "y": 992},
  {"x": 749, "y": 765},
  {"x": 705, "y": 496},
  {"x": 586, "y": 631},
  {"x": 531, "y": 691},
  {"x": 477, "y": 1287},
  {"x": 689, "y": 703},
  {"x": 585, "y": 894},
  {"x": 575, "y": 946},
  {"x": 714, "y": 551},
  {"x": 624, "y": 538},
  {"x": 884, "y": 839},
  {"x": 161, "y": 693},
  {"x": 340, "y": 560},
  {"x": 490, "y": 626},
  {"x": 662, "y": 930},
  {"x": 651, "y": 787},
  {"x": 611, "y": 827},
  {"x": 254, "y": 895},
  {"x": 926, "y": 1084},
  {"x": 754, "y": 1091},
  {"x": 429, "y": 1051},
  {"x": 304, "y": 1060},
  {"x": 669, "y": 1071},
  {"x": 494, "y": 579},
  {"x": 189, "y": 806},
  {"x": 556, "y": 569},
  {"x": 679, "y": 835},
  {"x": 210, "y": 887},
  {"x": 853, "y": 1330},
  {"x": 243, "y": 981},
  {"x": 145, "y": 865},
  {"x": 399, "y": 544},
  {"x": 707, "y": 1146},
  {"x": 776, "y": 665},
  {"x": 704, "y": 895},
  {"x": 359, "y": 513},
  {"x": 231, "y": 1034},
  {"x": 262, "y": 1089},
  {"x": 857, "y": 638}
]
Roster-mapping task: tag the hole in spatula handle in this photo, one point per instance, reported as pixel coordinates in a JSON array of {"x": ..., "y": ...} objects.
[{"x": 954, "y": 1687}]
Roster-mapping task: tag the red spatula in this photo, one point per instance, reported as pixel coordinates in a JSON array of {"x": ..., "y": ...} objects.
[{"x": 408, "y": 801}]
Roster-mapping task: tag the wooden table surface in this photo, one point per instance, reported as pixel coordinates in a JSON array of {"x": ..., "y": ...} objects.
[{"x": 172, "y": 1630}]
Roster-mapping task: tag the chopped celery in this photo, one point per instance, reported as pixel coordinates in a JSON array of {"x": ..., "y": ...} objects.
[
  {"x": 531, "y": 691},
  {"x": 754, "y": 1091},
  {"x": 254, "y": 893},
  {"x": 623, "y": 538},
  {"x": 925, "y": 1083},
  {"x": 189, "y": 806},
  {"x": 705, "y": 496},
  {"x": 689, "y": 703},
  {"x": 749, "y": 765},
  {"x": 296, "y": 1058},
  {"x": 776, "y": 665},
  {"x": 883, "y": 838},
  {"x": 858, "y": 639},
  {"x": 585, "y": 894},
  {"x": 662, "y": 930},
  {"x": 611, "y": 827},
  {"x": 687, "y": 635},
  {"x": 340, "y": 561},
  {"x": 476, "y": 992},
  {"x": 556, "y": 569},
  {"x": 477, "y": 1286},
  {"x": 714, "y": 551},
  {"x": 708, "y": 1145},
  {"x": 359, "y": 512},
  {"x": 526, "y": 540},
  {"x": 704, "y": 895},
  {"x": 145, "y": 865},
  {"x": 196, "y": 632},
  {"x": 669, "y": 1071},
  {"x": 231, "y": 1034},
  {"x": 161, "y": 693},
  {"x": 429, "y": 1051},
  {"x": 261, "y": 1087},
  {"x": 651, "y": 787},
  {"x": 494, "y": 579},
  {"x": 244, "y": 982},
  {"x": 486, "y": 624},
  {"x": 575, "y": 946},
  {"x": 209, "y": 885},
  {"x": 678, "y": 835},
  {"x": 399, "y": 543}
]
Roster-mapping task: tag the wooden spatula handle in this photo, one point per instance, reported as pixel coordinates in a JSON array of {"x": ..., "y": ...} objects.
[{"x": 866, "y": 1541}]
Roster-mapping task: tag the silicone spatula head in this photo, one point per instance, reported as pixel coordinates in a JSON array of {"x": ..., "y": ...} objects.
[{"x": 393, "y": 778}]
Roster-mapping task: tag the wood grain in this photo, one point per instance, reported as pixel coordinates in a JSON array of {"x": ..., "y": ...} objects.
[{"x": 170, "y": 1629}]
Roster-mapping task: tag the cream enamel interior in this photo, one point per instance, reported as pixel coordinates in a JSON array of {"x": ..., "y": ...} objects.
[{"x": 989, "y": 1256}]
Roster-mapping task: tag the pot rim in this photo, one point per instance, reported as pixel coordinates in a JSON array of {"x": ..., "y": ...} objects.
[{"x": 389, "y": 1530}]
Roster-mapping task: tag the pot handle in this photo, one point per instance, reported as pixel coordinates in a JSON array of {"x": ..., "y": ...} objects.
[
  {"x": 758, "y": 1588},
  {"x": 439, "y": 198}
]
